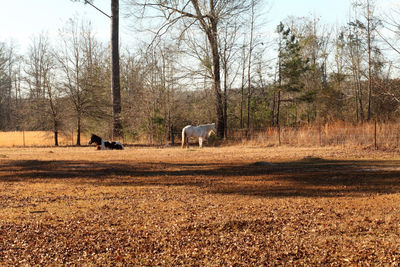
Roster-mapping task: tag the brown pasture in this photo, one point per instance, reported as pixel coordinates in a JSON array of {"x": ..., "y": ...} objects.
[{"x": 239, "y": 205}]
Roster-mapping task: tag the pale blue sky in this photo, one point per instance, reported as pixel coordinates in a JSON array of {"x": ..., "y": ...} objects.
[
  {"x": 22, "y": 19},
  {"x": 330, "y": 11}
]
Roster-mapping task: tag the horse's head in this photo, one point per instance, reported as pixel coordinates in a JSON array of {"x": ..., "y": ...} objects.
[
  {"x": 213, "y": 128},
  {"x": 95, "y": 139}
]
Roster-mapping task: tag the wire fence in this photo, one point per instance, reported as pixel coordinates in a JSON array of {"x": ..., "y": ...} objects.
[
  {"x": 376, "y": 135},
  {"x": 38, "y": 138}
]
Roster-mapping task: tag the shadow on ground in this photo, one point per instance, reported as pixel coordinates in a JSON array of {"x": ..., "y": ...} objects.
[{"x": 308, "y": 177}]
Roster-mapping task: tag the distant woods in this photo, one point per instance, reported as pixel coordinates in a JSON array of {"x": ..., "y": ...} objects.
[{"x": 219, "y": 62}]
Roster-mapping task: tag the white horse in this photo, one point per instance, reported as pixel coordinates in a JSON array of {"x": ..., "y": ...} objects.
[{"x": 201, "y": 132}]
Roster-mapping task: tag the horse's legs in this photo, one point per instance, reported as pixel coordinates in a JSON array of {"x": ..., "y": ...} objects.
[
  {"x": 187, "y": 142},
  {"x": 200, "y": 142}
]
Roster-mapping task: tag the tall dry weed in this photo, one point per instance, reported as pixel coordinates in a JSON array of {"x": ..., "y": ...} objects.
[{"x": 386, "y": 135}]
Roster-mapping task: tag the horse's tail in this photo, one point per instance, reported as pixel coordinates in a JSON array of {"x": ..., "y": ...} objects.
[{"x": 183, "y": 138}]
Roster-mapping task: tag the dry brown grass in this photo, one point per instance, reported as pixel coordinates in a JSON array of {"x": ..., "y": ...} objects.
[
  {"x": 333, "y": 134},
  {"x": 236, "y": 205},
  {"x": 37, "y": 138}
]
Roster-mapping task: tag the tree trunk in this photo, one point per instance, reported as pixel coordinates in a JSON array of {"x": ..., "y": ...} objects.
[
  {"x": 248, "y": 108},
  {"x": 78, "y": 134},
  {"x": 242, "y": 87},
  {"x": 56, "y": 138},
  {"x": 225, "y": 103},
  {"x": 369, "y": 60},
  {"x": 278, "y": 108},
  {"x": 115, "y": 74},
  {"x": 55, "y": 133},
  {"x": 249, "y": 91},
  {"x": 212, "y": 37},
  {"x": 273, "y": 109}
]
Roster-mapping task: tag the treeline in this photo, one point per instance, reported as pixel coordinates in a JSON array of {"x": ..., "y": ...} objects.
[{"x": 305, "y": 73}]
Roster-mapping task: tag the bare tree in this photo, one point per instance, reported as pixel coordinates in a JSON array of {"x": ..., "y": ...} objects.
[
  {"x": 206, "y": 14},
  {"x": 243, "y": 81},
  {"x": 8, "y": 66},
  {"x": 4, "y": 86},
  {"x": 355, "y": 55},
  {"x": 389, "y": 86},
  {"x": 71, "y": 64},
  {"x": 55, "y": 108},
  {"x": 369, "y": 13},
  {"x": 83, "y": 81},
  {"x": 115, "y": 70},
  {"x": 117, "y": 129},
  {"x": 249, "y": 64},
  {"x": 392, "y": 24},
  {"x": 366, "y": 26},
  {"x": 229, "y": 52},
  {"x": 369, "y": 26},
  {"x": 45, "y": 95}
]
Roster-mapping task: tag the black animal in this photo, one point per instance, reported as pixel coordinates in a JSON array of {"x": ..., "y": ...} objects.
[{"x": 103, "y": 144}]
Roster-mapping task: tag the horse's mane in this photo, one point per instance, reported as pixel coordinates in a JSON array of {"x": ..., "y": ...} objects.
[
  {"x": 95, "y": 139},
  {"x": 207, "y": 125}
]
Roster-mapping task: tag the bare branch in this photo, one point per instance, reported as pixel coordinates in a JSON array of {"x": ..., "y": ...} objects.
[{"x": 387, "y": 42}]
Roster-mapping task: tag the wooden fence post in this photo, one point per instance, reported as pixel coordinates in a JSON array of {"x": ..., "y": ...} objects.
[{"x": 172, "y": 135}]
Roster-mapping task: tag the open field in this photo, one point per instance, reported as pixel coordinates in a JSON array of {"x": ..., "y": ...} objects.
[
  {"x": 38, "y": 138},
  {"x": 235, "y": 205}
]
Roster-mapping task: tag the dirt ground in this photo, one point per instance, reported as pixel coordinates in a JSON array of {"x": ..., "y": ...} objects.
[{"x": 220, "y": 206}]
